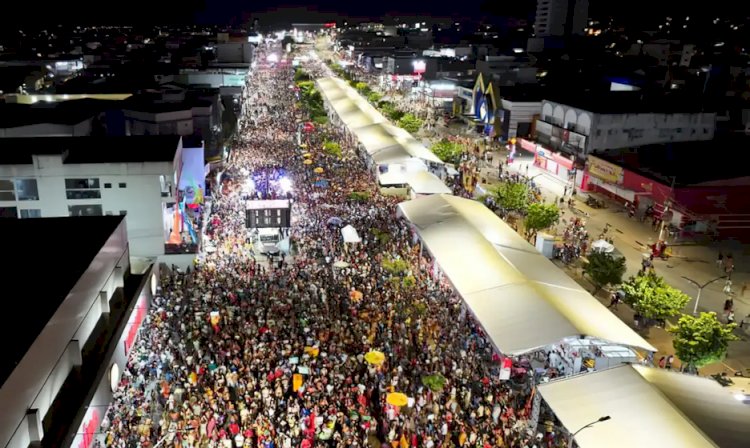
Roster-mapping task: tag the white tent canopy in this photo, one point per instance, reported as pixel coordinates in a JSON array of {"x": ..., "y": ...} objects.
[
  {"x": 711, "y": 407},
  {"x": 640, "y": 414},
  {"x": 350, "y": 235},
  {"x": 371, "y": 128},
  {"x": 424, "y": 182},
  {"x": 521, "y": 299}
]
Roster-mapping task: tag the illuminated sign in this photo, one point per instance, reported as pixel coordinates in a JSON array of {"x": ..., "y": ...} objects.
[
  {"x": 419, "y": 66},
  {"x": 89, "y": 429},
  {"x": 608, "y": 172},
  {"x": 137, "y": 320}
]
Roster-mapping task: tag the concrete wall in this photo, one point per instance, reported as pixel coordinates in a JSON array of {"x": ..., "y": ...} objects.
[
  {"x": 520, "y": 112},
  {"x": 30, "y": 390},
  {"x": 140, "y": 198},
  {"x": 49, "y": 130}
]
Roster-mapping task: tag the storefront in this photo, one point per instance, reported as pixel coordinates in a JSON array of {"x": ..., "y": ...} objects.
[
  {"x": 92, "y": 429},
  {"x": 555, "y": 163}
]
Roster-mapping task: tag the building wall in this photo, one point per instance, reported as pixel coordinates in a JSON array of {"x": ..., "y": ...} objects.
[
  {"x": 613, "y": 131},
  {"x": 33, "y": 385},
  {"x": 140, "y": 199},
  {"x": 81, "y": 129},
  {"x": 234, "y": 52},
  {"x": 520, "y": 112}
]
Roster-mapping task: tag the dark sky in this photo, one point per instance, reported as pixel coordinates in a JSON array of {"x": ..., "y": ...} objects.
[{"x": 239, "y": 11}]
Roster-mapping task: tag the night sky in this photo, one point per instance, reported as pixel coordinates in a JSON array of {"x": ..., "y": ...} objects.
[{"x": 238, "y": 12}]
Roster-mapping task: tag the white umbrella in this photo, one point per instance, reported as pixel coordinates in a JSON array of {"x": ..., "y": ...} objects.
[
  {"x": 350, "y": 235},
  {"x": 602, "y": 246},
  {"x": 341, "y": 264}
]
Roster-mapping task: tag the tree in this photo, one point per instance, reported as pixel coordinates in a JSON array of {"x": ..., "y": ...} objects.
[
  {"x": 448, "y": 151},
  {"x": 540, "y": 216},
  {"x": 395, "y": 266},
  {"x": 653, "y": 298},
  {"x": 410, "y": 123},
  {"x": 301, "y": 75},
  {"x": 603, "y": 269},
  {"x": 699, "y": 341},
  {"x": 374, "y": 97},
  {"x": 332, "y": 148},
  {"x": 362, "y": 88},
  {"x": 511, "y": 196}
]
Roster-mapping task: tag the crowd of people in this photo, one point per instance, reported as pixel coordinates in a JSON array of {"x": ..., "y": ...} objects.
[{"x": 239, "y": 352}]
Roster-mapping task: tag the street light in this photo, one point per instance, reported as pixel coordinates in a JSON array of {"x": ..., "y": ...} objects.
[
  {"x": 700, "y": 289},
  {"x": 171, "y": 432},
  {"x": 573, "y": 436}
]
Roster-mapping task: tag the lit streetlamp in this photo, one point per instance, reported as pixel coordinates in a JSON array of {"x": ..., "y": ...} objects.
[
  {"x": 700, "y": 289},
  {"x": 573, "y": 436}
]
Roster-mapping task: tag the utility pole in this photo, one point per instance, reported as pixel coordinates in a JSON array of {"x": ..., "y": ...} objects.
[{"x": 667, "y": 205}]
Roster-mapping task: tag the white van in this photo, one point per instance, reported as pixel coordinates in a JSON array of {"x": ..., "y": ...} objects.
[{"x": 266, "y": 240}]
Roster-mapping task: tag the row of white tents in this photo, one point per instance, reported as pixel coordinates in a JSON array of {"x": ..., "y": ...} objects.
[{"x": 524, "y": 302}]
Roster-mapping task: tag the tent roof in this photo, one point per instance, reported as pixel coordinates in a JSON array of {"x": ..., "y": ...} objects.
[
  {"x": 350, "y": 234},
  {"x": 509, "y": 286},
  {"x": 372, "y": 129},
  {"x": 711, "y": 407},
  {"x": 640, "y": 414},
  {"x": 424, "y": 182}
]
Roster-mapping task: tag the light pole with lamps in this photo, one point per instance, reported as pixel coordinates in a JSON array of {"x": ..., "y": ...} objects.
[
  {"x": 700, "y": 289},
  {"x": 573, "y": 436}
]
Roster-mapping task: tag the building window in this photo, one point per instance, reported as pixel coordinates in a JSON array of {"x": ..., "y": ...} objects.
[
  {"x": 82, "y": 189},
  {"x": 31, "y": 213},
  {"x": 85, "y": 210},
  {"x": 27, "y": 190},
  {"x": 122, "y": 185},
  {"x": 8, "y": 212},
  {"x": 107, "y": 185},
  {"x": 7, "y": 190},
  {"x": 123, "y": 212}
]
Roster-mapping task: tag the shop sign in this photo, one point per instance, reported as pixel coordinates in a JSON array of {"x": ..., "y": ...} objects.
[
  {"x": 135, "y": 325},
  {"x": 541, "y": 152},
  {"x": 604, "y": 170},
  {"x": 89, "y": 429},
  {"x": 507, "y": 364},
  {"x": 527, "y": 145},
  {"x": 562, "y": 160}
]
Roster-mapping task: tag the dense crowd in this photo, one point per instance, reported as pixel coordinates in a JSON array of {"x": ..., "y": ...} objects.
[{"x": 239, "y": 352}]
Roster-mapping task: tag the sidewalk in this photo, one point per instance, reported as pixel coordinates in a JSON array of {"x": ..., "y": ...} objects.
[{"x": 631, "y": 237}]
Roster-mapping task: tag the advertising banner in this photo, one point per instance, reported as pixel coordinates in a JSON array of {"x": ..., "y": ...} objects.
[{"x": 606, "y": 171}]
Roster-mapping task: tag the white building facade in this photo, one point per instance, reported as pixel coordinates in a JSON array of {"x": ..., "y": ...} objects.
[
  {"x": 50, "y": 187},
  {"x": 579, "y": 132}
]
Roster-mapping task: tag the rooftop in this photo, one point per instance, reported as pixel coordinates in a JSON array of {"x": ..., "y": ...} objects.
[
  {"x": 628, "y": 102},
  {"x": 64, "y": 112},
  {"x": 81, "y": 239},
  {"x": 91, "y": 149},
  {"x": 664, "y": 161}
]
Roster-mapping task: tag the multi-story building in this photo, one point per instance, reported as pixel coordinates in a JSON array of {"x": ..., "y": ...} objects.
[
  {"x": 149, "y": 179},
  {"x": 586, "y": 123},
  {"x": 80, "y": 321},
  {"x": 560, "y": 18}
]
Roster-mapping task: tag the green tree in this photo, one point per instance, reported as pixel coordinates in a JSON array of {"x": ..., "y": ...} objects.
[
  {"x": 410, "y": 123},
  {"x": 511, "y": 196},
  {"x": 448, "y": 151},
  {"x": 702, "y": 340},
  {"x": 395, "y": 266},
  {"x": 653, "y": 298},
  {"x": 603, "y": 269},
  {"x": 332, "y": 148},
  {"x": 539, "y": 216},
  {"x": 374, "y": 97},
  {"x": 301, "y": 75},
  {"x": 362, "y": 87}
]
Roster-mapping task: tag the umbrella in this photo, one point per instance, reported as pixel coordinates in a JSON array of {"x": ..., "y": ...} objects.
[
  {"x": 334, "y": 221},
  {"x": 341, "y": 264},
  {"x": 397, "y": 399},
  {"x": 307, "y": 162},
  {"x": 602, "y": 246},
  {"x": 306, "y": 155},
  {"x": 375, "y": 357},
  {"x": 318, "y": 170}
]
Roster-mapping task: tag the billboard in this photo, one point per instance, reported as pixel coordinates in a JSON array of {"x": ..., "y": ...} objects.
[{"x": 192, "y": 182}]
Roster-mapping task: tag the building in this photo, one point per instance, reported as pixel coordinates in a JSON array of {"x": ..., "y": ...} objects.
[
  {"x": 42, "y": 119},
  {"x": 556, "y": 21},
  {"x": 81, "y": 316},
  {"x": 94, "y": 176},
  {"x": 578, "y": 125},
  {"x": 560, "y": 18},
  {"x": 699, "y": 195}
]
